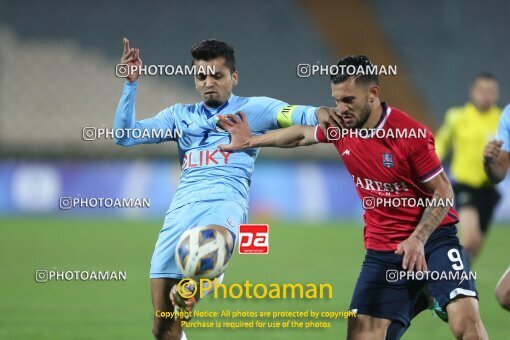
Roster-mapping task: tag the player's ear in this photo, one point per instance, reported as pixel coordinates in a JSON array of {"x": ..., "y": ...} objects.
[
  {"x": 373, "y": 93},
  {"x": 235, "y": 78}
]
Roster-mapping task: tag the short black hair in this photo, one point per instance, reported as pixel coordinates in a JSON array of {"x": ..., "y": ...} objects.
[
  {"x": 347, "y": 64},
  {"x": 484, "y": 75},
  {"x": 211, "y": 49}
]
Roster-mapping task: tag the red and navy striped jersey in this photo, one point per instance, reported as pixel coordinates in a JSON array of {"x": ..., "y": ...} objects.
[{"x": 392, "y": 170}]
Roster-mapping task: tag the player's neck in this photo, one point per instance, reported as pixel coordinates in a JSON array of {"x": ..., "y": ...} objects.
[
  {"x": 480, "y": 109},
  {"x": 375, "y": 116}
]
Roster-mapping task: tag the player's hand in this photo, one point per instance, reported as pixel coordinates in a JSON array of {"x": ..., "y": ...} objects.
[
  {"x": 328, "y": 117},
  {"x": 182, "y": 306},
  {"x": 491, "y": 151},
  {"x": 131, "y": 57},
  {"x": 239, "y": 129},
  {"x": 413, "y": 250}
]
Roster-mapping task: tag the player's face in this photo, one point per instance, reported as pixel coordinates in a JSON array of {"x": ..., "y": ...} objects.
[
  {"x": 215, "y": 89},
  {"x": 484, "y": 93},
  {"x": 352, "y": 103}
]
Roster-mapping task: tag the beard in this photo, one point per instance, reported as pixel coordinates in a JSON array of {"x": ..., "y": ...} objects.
[
  {"x": 214, "y": 103},
  {"x": 364, "y": 115}
]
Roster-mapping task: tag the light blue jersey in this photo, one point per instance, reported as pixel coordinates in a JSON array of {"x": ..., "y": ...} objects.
[
  {"x": 504, "y": 129},
  {"x": 207, "y": 172},
  {"x": 213, "y": 188}
]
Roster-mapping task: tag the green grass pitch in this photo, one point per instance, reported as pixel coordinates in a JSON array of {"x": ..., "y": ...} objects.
[{"x": 299, "y": 253}]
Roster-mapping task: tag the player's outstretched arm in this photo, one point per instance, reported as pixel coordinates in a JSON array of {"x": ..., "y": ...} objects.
[
  {"x": 328, "y": 117},
  {"x": 242, "y": 138},
  {"x": 128, "y": 131},
  {"x": 495, "y": 161},
  {"x": 413, "y": 248}
]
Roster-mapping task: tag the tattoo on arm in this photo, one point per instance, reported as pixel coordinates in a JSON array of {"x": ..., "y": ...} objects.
[{"x": 432, "y": 216}]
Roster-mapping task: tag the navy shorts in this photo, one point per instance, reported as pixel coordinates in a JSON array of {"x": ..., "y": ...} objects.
[
  {"x": 382, "y": 290},
  {"x": 484, "y": 200}
]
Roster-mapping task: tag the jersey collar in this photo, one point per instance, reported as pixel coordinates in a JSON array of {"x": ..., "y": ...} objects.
[
  {"x": 386, "y": 110},
  {"x": 471, "y": 109},
  {"x": 208, "y": 111}
]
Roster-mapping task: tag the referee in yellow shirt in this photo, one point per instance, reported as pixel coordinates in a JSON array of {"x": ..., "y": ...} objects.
[{"x": 465, "y": 132}]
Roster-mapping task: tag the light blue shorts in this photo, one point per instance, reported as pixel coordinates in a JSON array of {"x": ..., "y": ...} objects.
[{"x": 228, "y": 214}]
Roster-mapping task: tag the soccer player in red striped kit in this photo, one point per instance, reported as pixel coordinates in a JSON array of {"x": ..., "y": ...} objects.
[{"x": 391, "y": 175}]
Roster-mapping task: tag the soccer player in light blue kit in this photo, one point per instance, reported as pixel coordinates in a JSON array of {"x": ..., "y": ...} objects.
[
  {"x": 214, "y": 185},
  {"x": 496, "y": 161}
]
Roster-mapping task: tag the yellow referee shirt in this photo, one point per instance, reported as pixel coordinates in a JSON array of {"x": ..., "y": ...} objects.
[{"x": 466, "y": 131}]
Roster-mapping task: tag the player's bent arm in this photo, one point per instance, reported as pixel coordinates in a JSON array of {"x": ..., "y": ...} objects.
[
  {"x": 290, "y": 137},
  {"x": 241, "y": 136},
  {"x": 128, "y": 131},
  {"x": 497, "y": 168},
  {"x": 444, "y": 136},
  {"x": 496, "y": 155},
  {"x": 442, "y": 193}
]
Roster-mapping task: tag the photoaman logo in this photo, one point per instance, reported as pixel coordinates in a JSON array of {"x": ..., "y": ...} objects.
[
  {"x": 188, "y": 288},
  {"x": 253, "y": 239}
]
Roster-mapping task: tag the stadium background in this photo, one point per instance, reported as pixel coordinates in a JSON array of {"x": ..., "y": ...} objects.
[{"x": 57, "y": 63}]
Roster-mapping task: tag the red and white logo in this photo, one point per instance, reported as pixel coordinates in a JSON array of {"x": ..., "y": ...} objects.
[{"x": 253, "y": 239}]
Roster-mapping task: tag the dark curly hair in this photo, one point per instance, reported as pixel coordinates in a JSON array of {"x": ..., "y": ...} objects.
[
  {"x": 212, "y": 49},
  {"x": 356, "y": 61}
]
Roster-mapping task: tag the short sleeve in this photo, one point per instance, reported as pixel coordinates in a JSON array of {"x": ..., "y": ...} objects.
[
  {"x": 445, "y": 134},
  {"x": 321, "y": 137},
  {"x": 423, "y": 158}
]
